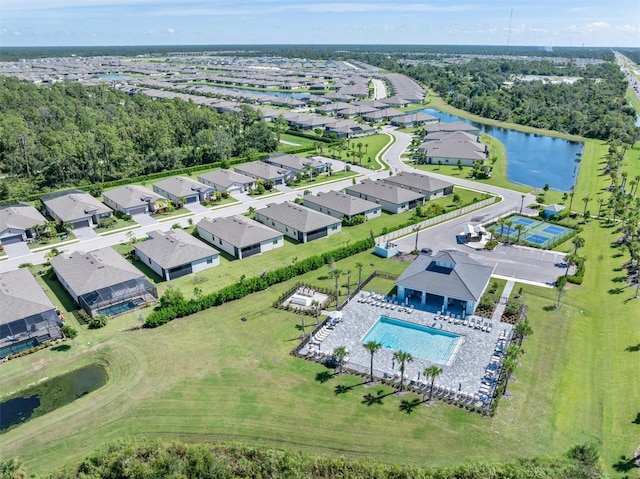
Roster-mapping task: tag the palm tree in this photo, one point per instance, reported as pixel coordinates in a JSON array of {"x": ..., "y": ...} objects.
[
  {"x": 509, "y": 365},
  {"x": 359, "y": 266},
  {"x": 600, "y": 203},
  {"x": 571, "y": 260},
  {"x": 501, "y": 224},
  {"x": 339, "y": 354},
  {"x": 561, "y": 283},
  {"x": 373, "y": 347},
  {"x": 509, "y": 223},
  {"x": 522, "y": 330},
  {"x": 432, "y": 372},
  {"x": 571, "y": 195},
  {"x": 348, "y": 273},
  {"x": 512, "y": 352},
  {"x": 519, "y": 229},
  {"x": 335, "y": 274},
  {"x": 402, "y": 357},
  {"x": 578, "y": 242},
  {"x": 315, "y": 304},
  {"x": 586, "y": 201}
]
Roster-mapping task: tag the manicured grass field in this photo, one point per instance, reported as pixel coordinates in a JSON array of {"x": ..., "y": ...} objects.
[{"x": 212, "y": 376}]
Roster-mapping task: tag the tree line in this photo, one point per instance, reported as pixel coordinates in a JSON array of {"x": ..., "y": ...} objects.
[
  {"x": 67, "y": 134},
  {"x": 594, "y": 106}
]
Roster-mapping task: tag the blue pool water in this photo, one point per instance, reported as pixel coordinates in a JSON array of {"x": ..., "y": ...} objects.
[
  {"x": 120, "y": 308},
  {"x": 532, "y": 159},
  {"x": 18, "y": 347},
  {"x": 420, "y": 341}
]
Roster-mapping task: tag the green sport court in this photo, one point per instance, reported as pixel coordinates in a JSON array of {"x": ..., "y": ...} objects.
[{"x": 534, "y": 232}]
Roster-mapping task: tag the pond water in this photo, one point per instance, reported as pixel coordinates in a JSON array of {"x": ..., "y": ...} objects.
[
  {"x": 51, "y": 394},
  {"x": 532, "y": 159}
]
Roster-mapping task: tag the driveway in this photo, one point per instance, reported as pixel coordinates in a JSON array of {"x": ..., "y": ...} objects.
[
  {"x": 144, "y": 219},
  {"x": 16, "y": 249},
  {"x": 84, "y": 234},
  {"x": 196, "y": 208}
]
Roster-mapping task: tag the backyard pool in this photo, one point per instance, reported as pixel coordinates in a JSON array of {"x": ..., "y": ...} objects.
[{"x": 420, "y": 341}]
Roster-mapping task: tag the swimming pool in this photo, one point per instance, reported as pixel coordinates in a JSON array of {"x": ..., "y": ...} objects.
[
  {"x": 420, "y": 341},
  {"x": 120, "y": 308}
]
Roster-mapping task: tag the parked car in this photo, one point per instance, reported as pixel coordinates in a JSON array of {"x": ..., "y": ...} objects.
[{"x": 427, "y": 251}]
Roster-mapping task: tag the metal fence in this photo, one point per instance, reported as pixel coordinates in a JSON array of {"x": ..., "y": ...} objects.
[{"x": 407, "y": 230}]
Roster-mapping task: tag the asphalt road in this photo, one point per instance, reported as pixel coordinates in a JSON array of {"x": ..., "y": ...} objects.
[{"x": 524, "y": 264}]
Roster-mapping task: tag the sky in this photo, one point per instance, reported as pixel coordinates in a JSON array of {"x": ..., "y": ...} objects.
[{"x": 547, "y": 23}]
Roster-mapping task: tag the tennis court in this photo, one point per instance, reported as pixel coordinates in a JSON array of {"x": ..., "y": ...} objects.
[
  {"x": 537, "y": 239},
  {"x": 532, "y": 231},
  {"x": 523, "y": 221}
]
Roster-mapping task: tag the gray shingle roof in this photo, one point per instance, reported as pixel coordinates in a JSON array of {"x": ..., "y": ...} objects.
[
  {"x": 466, "y": 280},
  {"x": 239, "y": 231},
  {"x": 75, "y": 206},
  {"x": 417, "y": 181},
  {"x": 450, "y": 126},
  {"x": 297, "y": 217},
  {"x": 342, "y": 203},
  {"x": 21, "y": 296},
  {"x": 179, "y": 186},
  {"x": 259, "y": 169},
  {"x": 392, "y": 194},
  {"x": 20, "y": 218},
  {"x": 226, "y": 178},
  {"x": 415, "y": 117},
  {"x": 130, "y": 196},
  {"x": 174, "y": 248},
  {"x": 87, "y": 272},
  {"x": 294, "y": 162}
]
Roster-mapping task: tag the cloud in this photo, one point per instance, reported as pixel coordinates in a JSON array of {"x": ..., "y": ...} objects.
[
  {"x": 596, "y": 26},
  {"x": 170, "y": 31}
]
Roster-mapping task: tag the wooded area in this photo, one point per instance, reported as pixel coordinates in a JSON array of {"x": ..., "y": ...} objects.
[
  {"x": 66, "y": 134},
  {"x": 594, "y": 106}
]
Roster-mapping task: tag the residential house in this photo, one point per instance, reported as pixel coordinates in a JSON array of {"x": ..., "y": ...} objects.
[
  {"x": 392, "y": 199},
  {"x": 298, "y": 164},
  {"x": 176, "y": 253},
  {"x": 426, "y": 185},
  {"x": 413, "y": 119},
  {"x": 453, "y": 149},
  {"x": 20, "y": 222},
  {"x": 103, "y": 282},
  {"x": 450, "y": 281},
  {"x": 133, "y": 200},
  {"x": 265, "y": 172},
  {"x": 341, "y": 205},
  {"x": 227, "y": 181},
  {"x": 75, "y": 207},
  {"x": 180, "y": 189},
  {"x": 27, "y": 315},
  {"x": 240, "y": 236},
  {"x": 451, "y": 127},
  {"x": 297, "y": 222}
]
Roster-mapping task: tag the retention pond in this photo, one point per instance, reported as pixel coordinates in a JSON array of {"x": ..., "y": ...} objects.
[{"x": 50, "y": 394}]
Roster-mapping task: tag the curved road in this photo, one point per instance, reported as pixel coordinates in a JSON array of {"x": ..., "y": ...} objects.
[{"x": 525, "y": 264}]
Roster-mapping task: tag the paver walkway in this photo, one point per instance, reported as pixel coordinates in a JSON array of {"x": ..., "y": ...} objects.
[{"x": 497, "y": 313}]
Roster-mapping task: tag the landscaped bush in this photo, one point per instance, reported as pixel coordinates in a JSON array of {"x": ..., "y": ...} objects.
[
  {"x": 146, "y": 459},
  {"x": 173, "y": 305},
  {"x": 98, "y": 321}
]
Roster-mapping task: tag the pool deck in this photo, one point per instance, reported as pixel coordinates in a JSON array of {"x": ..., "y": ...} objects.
[{"x": 467, "y": 367}]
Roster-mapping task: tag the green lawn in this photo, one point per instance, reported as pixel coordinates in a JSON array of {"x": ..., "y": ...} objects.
[
  {"x": 298, "y": 140},
  {"x": 212, "y": 376}
]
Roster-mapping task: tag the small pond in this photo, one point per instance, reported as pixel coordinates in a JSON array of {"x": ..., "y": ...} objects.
[
  {"x": 51, "y": 394},
  {"x": 532, "y": 159}
]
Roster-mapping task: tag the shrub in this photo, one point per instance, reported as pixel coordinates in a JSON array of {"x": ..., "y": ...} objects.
[
  {"x": 173, "y": 305},
  {"x": 98, "y": 321}
]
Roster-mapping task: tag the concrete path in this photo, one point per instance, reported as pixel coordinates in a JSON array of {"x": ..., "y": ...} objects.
[
  {"x": 16, "y": 250},
  {"x": 504, "y": 298},
  {"x": 144, "y": 219}
]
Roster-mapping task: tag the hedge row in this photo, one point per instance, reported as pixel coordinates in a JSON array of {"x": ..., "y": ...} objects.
[{"x": 173, "y": 306}]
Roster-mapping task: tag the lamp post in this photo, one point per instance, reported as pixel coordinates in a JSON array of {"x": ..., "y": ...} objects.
[{"x": 417, "y": 230}]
